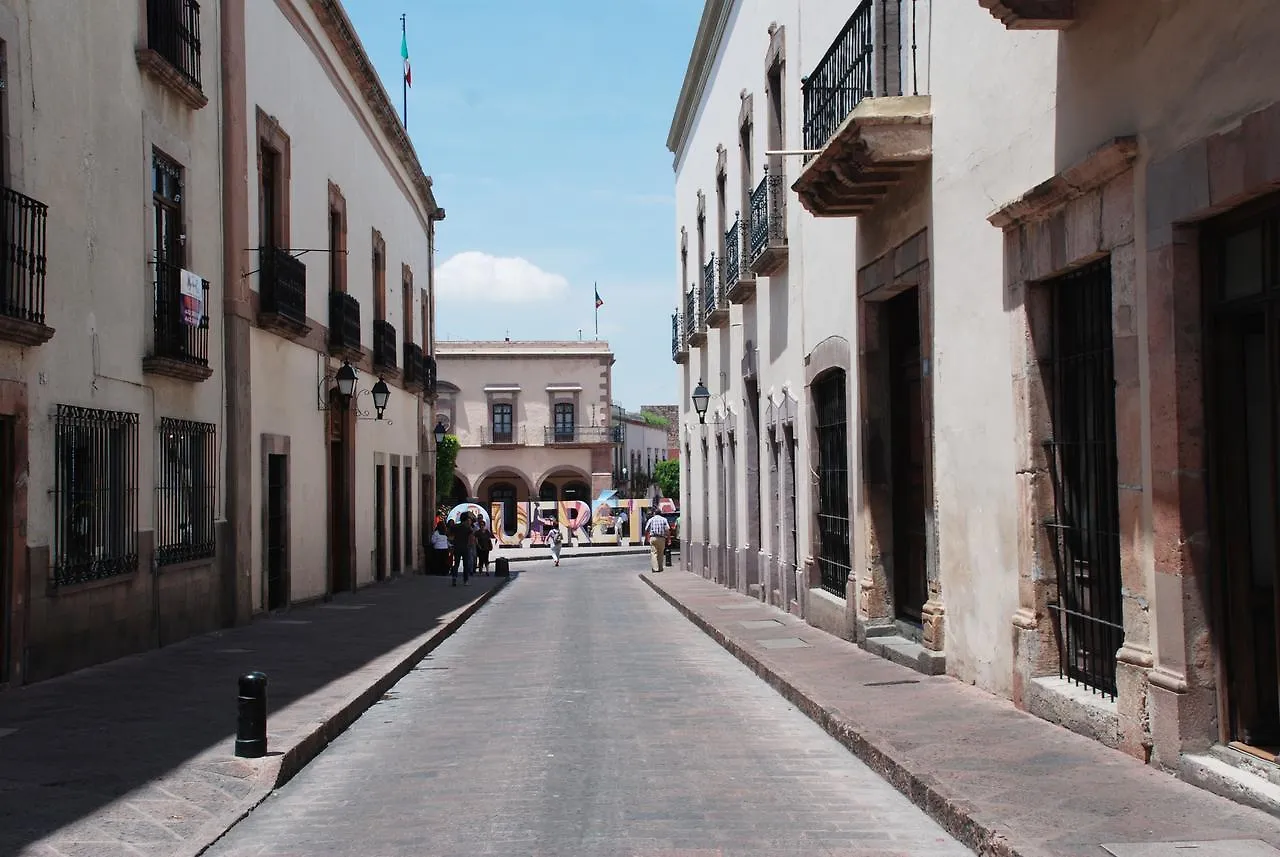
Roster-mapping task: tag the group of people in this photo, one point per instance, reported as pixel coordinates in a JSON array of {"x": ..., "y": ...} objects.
[{"x": 463, "y": 544}]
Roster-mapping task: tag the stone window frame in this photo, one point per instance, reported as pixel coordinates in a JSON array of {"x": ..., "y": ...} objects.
[
  {"x": 556, "y": 394},
  {"x": 272, "y": 138},
  {"x": 775, "y": 61},
  {"x": 338, "y": 255},
  {"x": 722, "y": 210},
  {"x": 406, "y": 303},
  {"x": 833, "y": 354},
  {"x": 701, "y": 219},
  {"x": 746, "y": 150},
  {"x": 508, "y": 394},
  {"x": 12, "y": 72},
  {"x": 276, "y": 444},
  {"x": 905, "y": 266},
  {"x": 14, "y": 406},
  {"x": 1081, "y": 215},
  {"x": 378, "y": 274}
]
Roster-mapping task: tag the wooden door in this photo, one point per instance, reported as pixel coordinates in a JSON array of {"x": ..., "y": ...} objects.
[
  {"x": 7, "y": 481},
  {"x": 380, "y": 522},
  {"x": 910, "y": 586},
  {"x": 277, "y": 532}
]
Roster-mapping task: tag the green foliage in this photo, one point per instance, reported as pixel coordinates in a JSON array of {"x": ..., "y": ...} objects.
[
  {"x": 655, "y": 419},
  {"x": 667, "y": 475},
  {"x": 446, "y": 460}
]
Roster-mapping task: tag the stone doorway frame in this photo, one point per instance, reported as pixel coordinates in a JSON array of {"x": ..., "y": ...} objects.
[
  {"x": 906, "y": 266},
  {"x": 1081, "y": 215},
  {"x": 13, "y": 405}
]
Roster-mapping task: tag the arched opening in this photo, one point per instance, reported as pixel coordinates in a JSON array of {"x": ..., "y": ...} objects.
[
  {"x": 549, "y": 492},
  {"x": 458, "y": 493},
  {"x": 834, "y": 546},
  {"x": 576, "y": 491},
  {"x": 505, "y": 493}
]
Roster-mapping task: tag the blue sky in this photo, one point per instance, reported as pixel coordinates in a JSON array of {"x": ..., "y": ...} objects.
[{"x": 543, "y": 126}]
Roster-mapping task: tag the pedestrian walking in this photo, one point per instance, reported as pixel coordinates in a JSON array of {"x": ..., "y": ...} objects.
[
  {"x": 484, "y": 544},
  {"x": 656, "y": 530},
  {"x": 440, "y": 549},
  {"x": 554, "y": 540},
  {"x": 464, "y": 550},
  {"x": 620, "y": 526}
]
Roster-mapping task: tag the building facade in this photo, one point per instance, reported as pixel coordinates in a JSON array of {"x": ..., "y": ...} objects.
[
  {"x": 670, "y": 413},
  {"x": 166, "y": 422},
  {"x": 640, "y": 444},
  {"x": 339, "y": 219},
  {"x": 1033, "y": 397},
  {"x": 111, "y": 425},
  {"x": 533, "y": 420}
]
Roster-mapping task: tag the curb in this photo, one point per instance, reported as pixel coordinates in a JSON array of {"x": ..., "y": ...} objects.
[
  {"x": 579, "y": 552},
  {"x": 286, "y": 766},
  {"x": 922, "y": 789}
]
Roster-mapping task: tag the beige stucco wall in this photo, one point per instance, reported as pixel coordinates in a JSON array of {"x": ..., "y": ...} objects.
[
  {"x": 83, "y": 119},
  {"x": 520, "y": 373},
  {"x": 334, "y": 137}
]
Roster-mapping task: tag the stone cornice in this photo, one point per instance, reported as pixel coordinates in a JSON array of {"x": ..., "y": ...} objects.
[
  {"x": 715, "y": 18},
  {"x": 1099, "y": 167},
  {"x": 338, "y": 28}
]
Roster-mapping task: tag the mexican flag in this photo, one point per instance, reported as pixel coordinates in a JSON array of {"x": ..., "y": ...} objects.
[{"x": 404, "y": 52}]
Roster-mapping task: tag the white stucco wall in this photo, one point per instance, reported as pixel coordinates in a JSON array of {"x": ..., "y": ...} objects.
[
  {"x": 992, "y": 141},
  {"x": 83, "y": 120},
  {"x": 333, "y": 137}
]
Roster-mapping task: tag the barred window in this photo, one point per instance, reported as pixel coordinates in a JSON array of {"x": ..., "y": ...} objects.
[
  {"x": 95, "y": 494},
  {"x": 186, "y": 491}
]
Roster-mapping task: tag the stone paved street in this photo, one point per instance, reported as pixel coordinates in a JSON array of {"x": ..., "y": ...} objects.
[{"x": 579, "y": 714}]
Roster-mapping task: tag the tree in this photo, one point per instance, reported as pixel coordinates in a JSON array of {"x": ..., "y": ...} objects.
[
  {"x": 667, "y": 474},
  {"x": 446, "y": 460},
  {"x": 653, "y": 419}
]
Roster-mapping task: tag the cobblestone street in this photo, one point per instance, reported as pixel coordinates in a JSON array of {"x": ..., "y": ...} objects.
[{"x": 579, "y": 714}]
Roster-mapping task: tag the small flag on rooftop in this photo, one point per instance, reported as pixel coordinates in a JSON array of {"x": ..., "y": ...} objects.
[
  {"x": 404, "y": 52},
  {"x": 599, "y": 301}
]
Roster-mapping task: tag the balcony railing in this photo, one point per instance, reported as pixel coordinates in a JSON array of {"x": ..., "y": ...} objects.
[
  {"x": 731, "y": 265},
  {"x": 344, "y": 324},
  {"x": 690, "y": 312},
  {"x": 283, "y": 289},
  {"x": 413, "y": 367},
  {"x": 23, "y": 272},
  {"x": 490, "y": 435},
  {"x": 677, "y": 340},
  {"x": 842, "y": 78},
  {"x": 709, "y": 287},
  {"x": 181, "y": 326},
  {"x": 384, "y": 344},
  {"x": 768, "y": 217},
  {"x": 578, "y": 434},
  {"x": 173, "y": 31},
  {"x": 428, "y": 375}
]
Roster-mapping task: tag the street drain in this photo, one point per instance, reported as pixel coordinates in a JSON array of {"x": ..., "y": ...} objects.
[{"x": 891, "y": 683}]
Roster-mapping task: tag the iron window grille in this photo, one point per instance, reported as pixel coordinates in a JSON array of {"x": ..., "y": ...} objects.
[
  {"x": 23, "y": 242},
  {"x": 1085, "y": 530},
  {"x": 344, "y": 322},
  {"x": 429, "y": 374},
  {"x": 834, "y": 547},
  {"x": 690, "y": 312},
  {"x": 283, "y": 286},
  {"x": 95, "y": 494},
  {"x": 173, "y": 31},
  {"x": 186, "y": 491},
  {"x": 502, "y": 423},
  {"x": 842, "y": 78}
]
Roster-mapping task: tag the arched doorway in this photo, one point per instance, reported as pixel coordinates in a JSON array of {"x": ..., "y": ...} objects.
[
  {"x": 576, "y": 491},
  {"x": 458, "y": 494},
  {"x": 549, "y": 492},
  {"x": 504, "y": 493}
]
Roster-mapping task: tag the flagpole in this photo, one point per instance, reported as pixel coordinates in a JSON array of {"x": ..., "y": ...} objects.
[
  {"x": 595, "y": 295},
  {"x": 404, "y": 82}
]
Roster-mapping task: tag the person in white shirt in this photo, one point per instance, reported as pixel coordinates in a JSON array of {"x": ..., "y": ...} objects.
[
  {"x": 439, "y": 549},
  {"x": 657, "y": 530}
]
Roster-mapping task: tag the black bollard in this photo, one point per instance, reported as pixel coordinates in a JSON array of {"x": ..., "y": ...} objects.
[{"x": 251, "y": 731}]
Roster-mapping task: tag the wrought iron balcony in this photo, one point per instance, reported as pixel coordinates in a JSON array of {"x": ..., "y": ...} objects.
[
  {"x": 739, "y": 281},
  {"x": 172, "y": 53},
  {"x": 414, "y": 377},
  {"x": 868, "y": 133},
  {"x": 429, "y": 376},
  {"x": 709, "y": 287},
  {"x": 695, "y": 331},
  {"x": 769, "y": 223},
  {"x": 679, "y": 350},
  {"x": 1032, "y": 14},
  {"x": 384, "y": 346},
  {"x": 22, "y": 269},
  {"x": 282, "y": 293},
  {"x": 500, "y": 436},
  {"x": 842, "y": 78},
  {"x": 717, "y": 303},
  {"x": 578, "y": 434},
  {"x": 344, "y": 325},
  {"x": 180, "y": 348}
]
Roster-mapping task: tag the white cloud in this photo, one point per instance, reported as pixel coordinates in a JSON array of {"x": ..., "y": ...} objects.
[{"x": 473, "y": 274}]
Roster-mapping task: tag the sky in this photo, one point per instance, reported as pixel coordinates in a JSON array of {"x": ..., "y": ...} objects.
[{"x": 544, "y": 127}]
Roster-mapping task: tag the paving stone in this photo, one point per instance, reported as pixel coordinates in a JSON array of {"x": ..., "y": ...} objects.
[{"x": 580, "y": 715}]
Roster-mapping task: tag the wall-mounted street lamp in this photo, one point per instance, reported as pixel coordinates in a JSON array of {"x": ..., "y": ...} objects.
[
  {"x": 439, "y": 432},
  {"x": 345, "y": 381},
  {"x": 701, "y": 396}
]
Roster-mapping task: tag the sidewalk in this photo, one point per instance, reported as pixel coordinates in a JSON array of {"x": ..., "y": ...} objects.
[
  {"x": 137, "y": 757},
  {"x": 1002, "y": 781}
]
